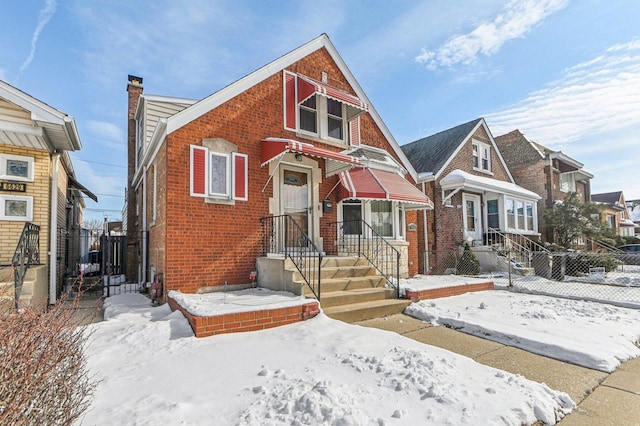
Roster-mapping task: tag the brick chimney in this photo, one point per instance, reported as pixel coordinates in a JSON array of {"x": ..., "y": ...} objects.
[{"x": 134, "y": 89}]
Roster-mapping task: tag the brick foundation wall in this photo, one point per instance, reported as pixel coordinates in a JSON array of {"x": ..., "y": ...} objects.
[
  {"x": 435, "y": 293},
  {"x": 246, "y": 321}
]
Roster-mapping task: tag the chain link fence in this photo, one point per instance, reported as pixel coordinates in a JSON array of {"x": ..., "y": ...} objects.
[{"x": 607, "y": 277}]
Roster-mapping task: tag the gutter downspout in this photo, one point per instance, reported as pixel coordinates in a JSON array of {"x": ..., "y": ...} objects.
[
  {"x": 53, "y": 231},
  {"x": 145, "y": 240},
  {"x": 426, "y": 234}
]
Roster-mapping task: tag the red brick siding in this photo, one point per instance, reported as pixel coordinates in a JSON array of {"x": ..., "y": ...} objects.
[
  {"x": 246, "y": 321},
  {"x": 447, "y": 291},
  {"x": 209, "y": 244}
]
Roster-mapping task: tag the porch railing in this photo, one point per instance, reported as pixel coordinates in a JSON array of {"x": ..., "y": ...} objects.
[
  {"x": 358, "y": 238},
  {"x": 27, "y": 253},
  {"x": 283, "y": 235},
  {"x": 519, "y": 247}
]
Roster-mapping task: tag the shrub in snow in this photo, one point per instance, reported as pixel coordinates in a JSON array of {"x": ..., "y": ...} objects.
[
  {"x": 468, "y": 264},
  {"x": 43, "y": 375}
]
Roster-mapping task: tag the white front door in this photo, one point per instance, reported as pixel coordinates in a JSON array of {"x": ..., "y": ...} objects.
[
  {"x": 472, "y": 217},
  {"x": 296, "y": 198}
]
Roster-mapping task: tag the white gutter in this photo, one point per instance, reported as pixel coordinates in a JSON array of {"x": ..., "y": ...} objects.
[
  {"x": 144, "y": 240},
  {"x": 53, "y": 231},
  {"x": 426, "y": 231}
]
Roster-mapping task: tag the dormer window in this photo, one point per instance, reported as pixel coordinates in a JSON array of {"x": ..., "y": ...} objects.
[
  {"x": 317, "y": 110},
  {"x": 481, "y": 153}
]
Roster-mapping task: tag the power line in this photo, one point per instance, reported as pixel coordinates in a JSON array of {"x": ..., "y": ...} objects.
[{"x": 96, "y": 162}]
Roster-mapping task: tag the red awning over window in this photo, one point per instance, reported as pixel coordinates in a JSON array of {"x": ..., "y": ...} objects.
[
  {"x": 372, "y": 184},
  {"x": 308, "y": 86},
  {"x": 276, "y": 148}
]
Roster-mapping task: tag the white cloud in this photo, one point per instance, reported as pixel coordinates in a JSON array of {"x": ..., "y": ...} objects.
[
  {"x": 44, "y": 17},
  {"x": 517, "y": 18},
  {"x": 598, "y": 96},
  {"x": 107, "y": 134}
]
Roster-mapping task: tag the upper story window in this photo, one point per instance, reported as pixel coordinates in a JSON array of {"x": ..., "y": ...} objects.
[
  {"x": 481, "y": 156},
  {"x": 322, "y": 117},
  {"x": 139, "y": 139},
  {"x": 567, "y": 182},
  {"x": 315, "y": 109},
  {"x": 16, "y": 167}
]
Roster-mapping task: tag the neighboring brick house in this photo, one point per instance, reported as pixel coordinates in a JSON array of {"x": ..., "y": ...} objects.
[
  {"x": 463, "y": 172},
  {"x": 615, "y": 214},
  {"x": 296, "y": 137},
  {"x": 38, "y": 186},
  {"x": 551, "y": 174}
]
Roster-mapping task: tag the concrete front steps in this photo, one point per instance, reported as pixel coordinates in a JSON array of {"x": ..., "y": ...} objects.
[{"x": 352, "y": 290}]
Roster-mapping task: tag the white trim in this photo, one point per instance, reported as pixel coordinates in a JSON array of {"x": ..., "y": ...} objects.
[
  {"x": 4, "y": 172},
  {"x": 211, "y": 102},
  {"x": 154, "y": 206},
  {"x": 224, "y": 195},
  {"x": 477, "y": 210},
  {"x": 29, "y": 210},
  {"x": 463, "y": 180}
]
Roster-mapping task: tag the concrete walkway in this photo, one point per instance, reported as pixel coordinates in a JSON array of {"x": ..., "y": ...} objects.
[{"x": 603, "y": 399}]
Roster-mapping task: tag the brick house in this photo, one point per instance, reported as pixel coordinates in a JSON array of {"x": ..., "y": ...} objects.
[
  {"x": 38, "y": 187},
  {"x": 552, "y": 174},
  {"x": 462, "y": 170},
  {"x": 616, "y": 213},
  {"x": 211, "y": 180}
]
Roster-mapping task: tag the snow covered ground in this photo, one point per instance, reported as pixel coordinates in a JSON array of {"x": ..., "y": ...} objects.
[
  {"x": 321, "y": 371},
  {"x": 594, "y": 335}
]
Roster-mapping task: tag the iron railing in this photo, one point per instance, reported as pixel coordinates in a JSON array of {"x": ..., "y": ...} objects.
[
  {"x": 520, "y": 248},
  {"x": 27, "y": 253},
  {"x": 283, "y": 235},
  {"x": 358, "y": 238}
]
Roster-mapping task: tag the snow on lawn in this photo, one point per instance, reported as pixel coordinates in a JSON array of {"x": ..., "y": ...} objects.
[
  {"x": 590, "y": 334},
  {"x": 321, "y": 371}
]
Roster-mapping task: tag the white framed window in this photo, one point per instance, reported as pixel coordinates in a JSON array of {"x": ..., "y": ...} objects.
[
  {"x": 16, "y": 208},
  {"x": 218, "y": 175},
  {"x": 567, "y": 182},
  {"x": 387, "y": 218},
  {"x": 382, "y": 218},
  {"x": 481, "y": 153},
  {"x": 611, "y": 221},
  {"x": 140, "y": 139},
  {"x": 16, "y": 167},
  {"x": 521, "y": 214},
  {"x": 322, "y": 117}
]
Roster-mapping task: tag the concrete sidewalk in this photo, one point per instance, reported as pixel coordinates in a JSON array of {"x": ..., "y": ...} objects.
[{"x": 602, "y": 398}]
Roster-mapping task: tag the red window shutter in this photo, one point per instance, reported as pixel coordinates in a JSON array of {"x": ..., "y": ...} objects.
[
  {"x": 354, "y": 131},
  {"x": 290, "y": 104},
  {"x": 240, "y": 176},
  {"x": 198, "y": 171}
]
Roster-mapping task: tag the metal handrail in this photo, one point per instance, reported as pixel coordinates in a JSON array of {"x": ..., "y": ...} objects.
[
  {"x": 283, "y": 235},
  {"x": 357, "y": 237},
  {"x": 27, "y": 253},
  {"x": 522, "y": 248},
  {"x": 608, "y": 247}
]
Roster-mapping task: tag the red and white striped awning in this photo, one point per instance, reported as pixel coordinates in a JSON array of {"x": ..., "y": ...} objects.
[
  {"x": 308, "y": 87},
  {"x": 372, "y": 184},
  {"x": 276, "y": 148}
]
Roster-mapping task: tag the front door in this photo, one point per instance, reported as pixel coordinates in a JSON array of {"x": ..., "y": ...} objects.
[
  {"x": 472, "y": 217},
  {"x": 296, "y": 201}
]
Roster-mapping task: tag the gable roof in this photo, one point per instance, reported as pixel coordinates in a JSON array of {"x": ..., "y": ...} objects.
[
  {"x": 607, "y": 197},
  {"x": 434, "y": 153},
  {"x": 53, "y": 130},
  {"x": 211, "y": 102},
  {"x": 431, "y": 153}
]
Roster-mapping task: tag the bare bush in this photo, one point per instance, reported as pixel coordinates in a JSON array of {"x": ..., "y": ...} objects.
[{"x": 43, "y": 374}]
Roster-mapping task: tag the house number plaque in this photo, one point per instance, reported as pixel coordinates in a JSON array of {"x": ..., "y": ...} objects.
[{"x": 13, "y": 187}]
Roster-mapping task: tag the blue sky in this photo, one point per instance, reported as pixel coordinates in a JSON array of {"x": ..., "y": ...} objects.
[{"x": 564, "y": 72}]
